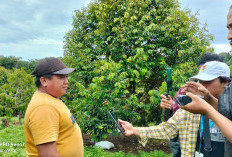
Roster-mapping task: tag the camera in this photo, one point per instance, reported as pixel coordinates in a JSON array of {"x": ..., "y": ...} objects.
[
  {"x": 225, "y": 102},
  {"x": 184, "y": 99}
]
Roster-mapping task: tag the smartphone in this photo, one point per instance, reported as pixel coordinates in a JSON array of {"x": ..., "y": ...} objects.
[
  {"x": 182, "y": 100},
  {"x": 111, "y": 113}
]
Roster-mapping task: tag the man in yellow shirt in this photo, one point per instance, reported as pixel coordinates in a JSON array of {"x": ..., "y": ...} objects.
[{"x": 49, "y": 127}]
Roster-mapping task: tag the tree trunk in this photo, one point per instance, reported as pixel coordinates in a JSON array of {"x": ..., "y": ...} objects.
[{"x": 20, "y": 118}]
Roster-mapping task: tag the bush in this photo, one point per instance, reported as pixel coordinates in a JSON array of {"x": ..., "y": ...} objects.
[
  {"x": 16, "y": 92},
  {"x": 121, "y": 50}
]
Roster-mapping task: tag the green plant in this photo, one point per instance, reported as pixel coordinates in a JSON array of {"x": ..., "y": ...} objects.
[
  {"x": 12, "y": 141},
  {"x": 16, "y": 92},
  {"x": 97, "y": 152},
  {"x": 121, "y": 50}
]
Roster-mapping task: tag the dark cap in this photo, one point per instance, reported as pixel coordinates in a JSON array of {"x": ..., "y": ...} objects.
[{"x": 51, "y": 65}]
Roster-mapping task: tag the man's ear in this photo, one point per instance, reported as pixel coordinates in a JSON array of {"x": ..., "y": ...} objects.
[
  {"x": 44, "y": 81},
  {"x": 226, "y": 83}
]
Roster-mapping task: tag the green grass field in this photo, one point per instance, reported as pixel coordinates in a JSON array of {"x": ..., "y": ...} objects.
[{"x": 12, "y": 144}]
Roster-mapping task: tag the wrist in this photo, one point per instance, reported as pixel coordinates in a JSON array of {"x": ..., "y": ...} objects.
[
  {"x": 209, "y": 112},
  {"x": 208, "y": 97},
  {"x": 212, "y": 101},
  {"x": 136, "y": 131}
]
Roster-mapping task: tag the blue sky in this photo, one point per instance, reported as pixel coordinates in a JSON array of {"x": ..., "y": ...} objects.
[{"x": 34, "y": 29}]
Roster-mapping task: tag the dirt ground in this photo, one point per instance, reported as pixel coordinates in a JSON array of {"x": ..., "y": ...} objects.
[{"x": 131, "y": 144}]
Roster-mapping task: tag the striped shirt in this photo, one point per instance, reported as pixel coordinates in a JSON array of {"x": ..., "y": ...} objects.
[{"x": 184, "y": 122}]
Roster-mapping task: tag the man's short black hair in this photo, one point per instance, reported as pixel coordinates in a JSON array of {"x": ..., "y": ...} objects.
[
  {"x": 224, "y": 79},
  {"x": 37, "y": 79},
  {"x": 207, "y": 57}
]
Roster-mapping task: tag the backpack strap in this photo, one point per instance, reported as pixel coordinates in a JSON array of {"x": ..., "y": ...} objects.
[{"x": 206, "y": 135}]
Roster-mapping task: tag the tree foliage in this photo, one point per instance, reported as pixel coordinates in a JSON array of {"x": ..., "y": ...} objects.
[
  {"x": 227, "y": 57},
  {"x": 16, "y": 90},
  {"x": 16, "y": 62},
  {"x": 121, "y": 50}
]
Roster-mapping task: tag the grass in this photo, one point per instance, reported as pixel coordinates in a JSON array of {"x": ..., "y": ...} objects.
[
  {"x": 12, "y": 141},
  {"x": 12, "y": 144},
  {"x": 92, "y": 152}
]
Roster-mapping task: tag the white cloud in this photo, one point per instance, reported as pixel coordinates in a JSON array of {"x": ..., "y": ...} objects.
[
  {"x": 29, "y": 2},
  {"x": 212, "y": 12},
  {"x": 87, "y": 2},
  {"x": 33, "y": 48},
  {"x": 221, "y": 47},
  {"x": 41, "y": 41},
  {"x": 34, "y": 29}
]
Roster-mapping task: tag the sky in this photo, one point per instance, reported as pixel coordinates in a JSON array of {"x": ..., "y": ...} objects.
[
  {"x": 35, "y": 29},
  {"x": 214, "y": 14}
]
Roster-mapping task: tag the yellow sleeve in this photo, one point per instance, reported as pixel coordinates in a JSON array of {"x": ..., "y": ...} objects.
[{"x": 44, "y": 124}]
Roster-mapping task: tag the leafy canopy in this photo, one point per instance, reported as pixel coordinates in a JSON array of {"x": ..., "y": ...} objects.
[{"x": 121, "y": 50}]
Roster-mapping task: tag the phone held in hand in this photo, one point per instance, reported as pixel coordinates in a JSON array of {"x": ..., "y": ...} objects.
[
  {"x": 111, "y": 113},
  {"x": 183, "y": 100}
]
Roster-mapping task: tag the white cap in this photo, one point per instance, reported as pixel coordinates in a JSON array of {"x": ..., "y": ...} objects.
[{"x": 212, "y": 70}]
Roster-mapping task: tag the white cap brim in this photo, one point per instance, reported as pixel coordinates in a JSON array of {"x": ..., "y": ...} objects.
[{"x": 203, "y": 77}]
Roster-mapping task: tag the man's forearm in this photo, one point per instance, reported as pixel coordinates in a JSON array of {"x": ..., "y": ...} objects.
[
  {"x": 213, "y": 101},
  {"x": 224, "y": 124}
]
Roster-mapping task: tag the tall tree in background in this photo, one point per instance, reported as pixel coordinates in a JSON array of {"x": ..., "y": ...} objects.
[
  {"x": 227, "y": 57},
  {"x": 16, "y": 62},
  {"x": 9, "y": 62},
  {"x": 121, "y": 50}
]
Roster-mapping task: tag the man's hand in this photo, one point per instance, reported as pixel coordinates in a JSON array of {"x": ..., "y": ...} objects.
[
  {"x": 197, "y": 89},
  {"x": 166, "y": 104},
  {"x": 128, "y": 128},
  {"x": 198, "y": 105}
]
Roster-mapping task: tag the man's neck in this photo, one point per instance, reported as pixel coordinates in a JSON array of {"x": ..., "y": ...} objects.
[{"x": 41, "y": 90}]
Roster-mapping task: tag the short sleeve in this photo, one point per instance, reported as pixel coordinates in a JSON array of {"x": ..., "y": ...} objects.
[{"x": 44, "y": 124}]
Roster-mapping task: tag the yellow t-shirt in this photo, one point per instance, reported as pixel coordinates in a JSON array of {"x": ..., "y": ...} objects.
[{"x": 48, "y": 119}]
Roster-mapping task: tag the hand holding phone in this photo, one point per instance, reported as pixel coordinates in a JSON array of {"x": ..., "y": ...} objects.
[
  {"x": 115, "y": 121},
  {"x": 182, "y": 100}
]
